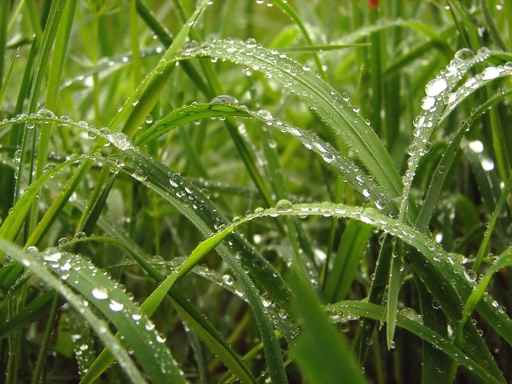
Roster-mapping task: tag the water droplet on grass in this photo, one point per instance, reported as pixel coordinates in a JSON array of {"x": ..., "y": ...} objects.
[
  {"x": 491, "y": 73},
  {"x": 476, "y": 146},
  {"x": 436, "y": 87},
  {"x": 224, "y": 99},
  {"x": 115, "y": 306},
  {"x": 487, "y": 164},
  {"x": 99, "y": 294},
  {"x": 53, "y": 257}
]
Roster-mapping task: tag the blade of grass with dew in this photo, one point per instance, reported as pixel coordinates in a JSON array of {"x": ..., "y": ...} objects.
[
  {"x": 171, "y": 187},
  {"x": 214, "y": 87},
  {"x": 188, "y": 201},
  {"x": 503, "y": 261},
  {"x": 322, "y": 98},
  {"x": 37, "y": 267},
  {"x": 410, "y": 321},
  {"x": 433, "y": 192},
  {"x": 207, "y": 333},
  {"x": 135, "y": 329},
  {"x": 431, "y": 260},
  {"x": 355, "y": 176},
  {"x": 433, "y": 107}
]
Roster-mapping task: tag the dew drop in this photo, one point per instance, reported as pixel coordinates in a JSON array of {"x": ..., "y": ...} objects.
[
  {"x": 476, "y": 146},
  {"x": 53, "y": 257},
  {"x": 487, "y": 164},
  {"x": 115, "y": 306},
  {"x": 436, "y": 87},
  {"x": 284, "y": 204},
  {"x": 99, "y": 294},
  {"x": 224, "y": 99},
  {"x": 427, "y": 103},
  {"x": 491, "y": 73}
]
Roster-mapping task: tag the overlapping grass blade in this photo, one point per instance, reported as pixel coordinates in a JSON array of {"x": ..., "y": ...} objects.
[
  {"x": 135, "y": 329},
  {"x": 36, "y": 266},
  {"x": 139, "y": 105},
  {"x": 225, "y": 106},
  {"x": 334, "y": 109},
  {"x": 437, "y": 267},
  {"x": 410, "y": 321},
  {"x": 202, "y": 327},
  {"x": 196, "y": 208}
]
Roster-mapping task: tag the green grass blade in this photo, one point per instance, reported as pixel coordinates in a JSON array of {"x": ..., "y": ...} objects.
[
  {"x": 135, "y": 329},
  {"x": 207, "y": 333},
  {"x": 321, "y": 353},
  {"x": 322, "y": 98},
  {"x": 394, "y": 284},
  {"x": 434, "y": 258},
  {"x": 36, "y": 266},
  {"x": 409, "y": 321},
  {"x": 13, "y": 222},
  {"x": 145, "y": 97},
  {"x": 445, "y": 163},
  {"x": 352, "y": 247},
  {"x": 483, "y": 250},
  {"x": 292, "y": 14},
  {"x": 224, "y": 106}
]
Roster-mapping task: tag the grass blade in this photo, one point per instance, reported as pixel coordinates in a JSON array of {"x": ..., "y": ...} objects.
[
  {"x": 323, "y": 99},
  {"x": 37, "y": 267}
]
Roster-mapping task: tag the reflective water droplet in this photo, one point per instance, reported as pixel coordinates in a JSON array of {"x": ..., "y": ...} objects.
[
  {"x": 228, "y": 279},
  {"x": 284, "y": 204},
  {"x": 53, "y": 257},
  {"x": 99, "y": 294},
  {"x": 115, "y": 306},
  {"x": 487, "y": 164},
  {"x": 149, "y": 326},
  {"x": 427, "y": 103},
  {"x": 224, "y": 99},
  {"x": 436, "y": 87},
  {"x": 476, "y": 146},
  {"x": 491, "y": 73}
]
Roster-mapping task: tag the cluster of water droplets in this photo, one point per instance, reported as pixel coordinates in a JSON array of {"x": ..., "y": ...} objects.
[
  {"x": 477, "y": 81},
  {"x": 351, "y": 172},
  {"x": 437, "y": 96},
  {"x": 108, "y": 296},
  {"x": 331, "y": 106},
  {"x": 107, "y": 65},
  {"x": 432, "y": 251}
]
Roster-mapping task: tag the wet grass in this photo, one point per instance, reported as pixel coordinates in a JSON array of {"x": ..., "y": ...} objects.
[{"x": 255, "y": 191}]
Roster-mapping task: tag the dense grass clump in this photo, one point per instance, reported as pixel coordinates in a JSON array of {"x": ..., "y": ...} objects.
[{"x": 255, "y": 191}]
